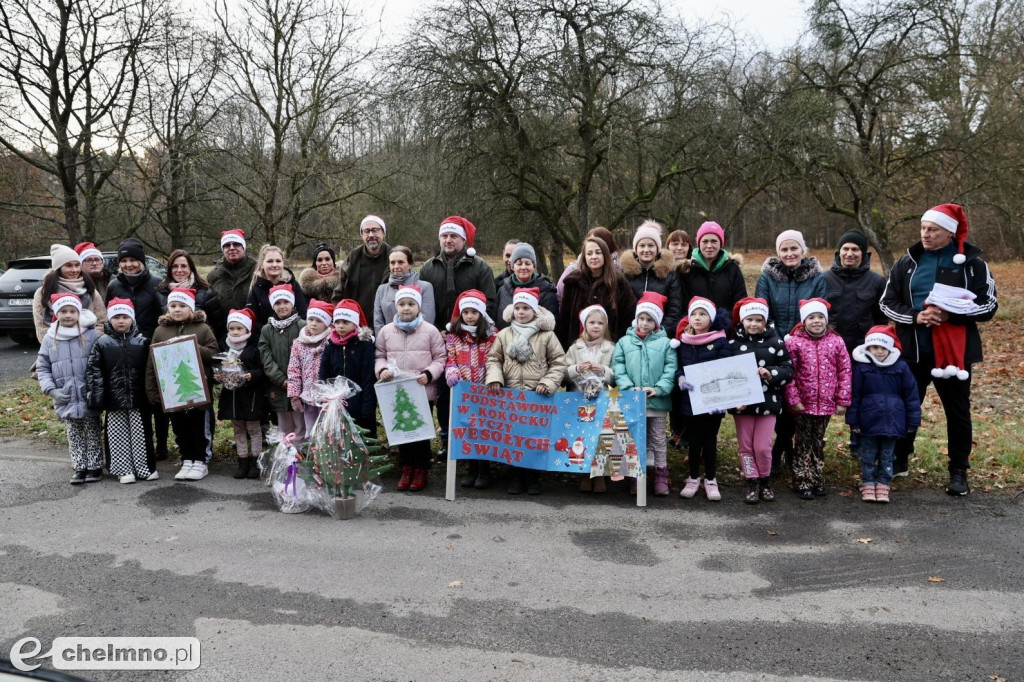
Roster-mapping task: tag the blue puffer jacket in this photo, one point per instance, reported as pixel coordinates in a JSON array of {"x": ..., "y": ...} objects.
[
  {"x": 784, "y": 288},
  {"x": 646, "y": 362},
  {"x": 61, "y": 364},
  {"x": 885, "y": 400},
  {"x": 715, "y": 349}
]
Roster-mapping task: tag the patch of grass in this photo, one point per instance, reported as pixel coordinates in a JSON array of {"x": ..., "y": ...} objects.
[{"x": 25, "y": 412}]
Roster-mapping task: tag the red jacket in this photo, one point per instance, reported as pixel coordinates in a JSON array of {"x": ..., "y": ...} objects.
[
  {"x": 467, "y": 358},
  {"x": 821, "y": 372}
]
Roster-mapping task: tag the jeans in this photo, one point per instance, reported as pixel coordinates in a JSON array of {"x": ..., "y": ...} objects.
[{"x": 876, "y": 458}]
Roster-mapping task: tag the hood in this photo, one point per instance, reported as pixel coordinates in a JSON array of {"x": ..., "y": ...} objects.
[
  {"x": 663, "y": 264},
  {"x": 309, "y": 279},
  {"x": 729, "y": 256},
  {"x": 845, "y": 273},
  {"x": 580, "y": 345},
  {"x": 545, "y": 320},
  {"x": 198, "y": 317},
  {"x": 861, "y": 354},
  {"x": 109, "y": 331},
  {"x": 658, "y": 333},
  {"x": 807, "y": 269},
  {"x": 768, "y": 333}
]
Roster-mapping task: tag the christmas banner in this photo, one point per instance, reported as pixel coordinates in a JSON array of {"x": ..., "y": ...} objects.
[
  {"x": 605, "y": 436},
  {"x": 405, "y": 411},
  {"x": 180, "y": 374}
]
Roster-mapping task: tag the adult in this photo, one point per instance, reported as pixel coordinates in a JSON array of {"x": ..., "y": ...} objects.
[
  {"x": 785, "y": 280},
  {"x": 367, "y": 266},
  {"x": 506, "y": 257},
  {"x": 94, "y": 266},
  {"x": 271, "y": 270},
  {"x": 456, "y": 268},
  {"x": 231, "y": 278},
  {"x": 524, "y": 274},
  {"x": 854, "y": 290},
  {"x": 65, "y": 276},
  {"x": 605, "y": 235},
  {"x": 135, "y": 282},
  {"x": 321, "y": 279},
  {"x": 648, "y": 267},
  {"x": 943, "y": 256},
  {"x": 400, "y": 264},
  {"x": 714, "y": 273},
  {"x": 596, "y": 281},
  {"x": 182, "y": 274},
  {"x": 681, "y": 246}
]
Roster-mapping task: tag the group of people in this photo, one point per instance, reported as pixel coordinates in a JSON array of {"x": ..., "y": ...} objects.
[{"x": 633, "y": 318}]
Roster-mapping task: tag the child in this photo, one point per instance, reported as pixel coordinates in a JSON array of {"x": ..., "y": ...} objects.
[
  {"x": 700, "y": 338},
  {"x": 755, "y": 424},
  {"x": 116, "y": 383},
  {"x": 60, "y": 367},
  {"x": 885, "y": 407},
  {"x": 244, "y": 404},
  {"x": 275, "y": 346},
  {"x": 191, "y": 427},
  {"x": 304, "y": 362},
  {"x": 408, "y": 345},
  {"x": 468, "y": 341},
  {"x": 350, "y": 353},
  {"x": 588, "y": 368},
  {"x": 526, "y": 355},
  {"x": 644, "y": 361},
  {"x": 820, "y": 388}
]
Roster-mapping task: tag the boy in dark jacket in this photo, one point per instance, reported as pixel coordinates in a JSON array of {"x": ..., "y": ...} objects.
[
  {"x": 242, "y": 399},
  {"x": 885, "y": 407},
  {"x": 115, "y": 381},
  {"x": 350, "y": 353}
]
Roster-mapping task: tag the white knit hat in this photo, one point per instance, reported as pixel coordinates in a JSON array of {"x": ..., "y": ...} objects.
[{"x": 60, "y": 255}]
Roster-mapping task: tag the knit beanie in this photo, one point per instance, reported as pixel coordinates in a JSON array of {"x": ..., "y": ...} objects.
[
  {"x": 854, "y": 237},
  {"x": 648, "y": 229},
  {"x": 131, "y": 248},
  {"x": 794, "y": 235},
  {"x": 61, "y": 255},
  {"x": 523, "y": 250},
  {"x": 711, "y": 228}
]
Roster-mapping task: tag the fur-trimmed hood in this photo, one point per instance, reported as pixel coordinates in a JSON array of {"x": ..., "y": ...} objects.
[
  {"x": 315, "y": 286},
  {"x": 198, "y": 316},
  {"x": 861, "y": 354},
  {"x": 663, "y": 264},
  {"x": 808, "y": 268},
  {"x": 545, "y": 320}
]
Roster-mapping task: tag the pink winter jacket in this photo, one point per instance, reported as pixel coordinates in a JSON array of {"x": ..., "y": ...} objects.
[
  {"x": 303, "y": 368},
  {"x": 467, "y": 358},
  {"x": 415, "y": 352},
  {"x": 822, "y": 375}
]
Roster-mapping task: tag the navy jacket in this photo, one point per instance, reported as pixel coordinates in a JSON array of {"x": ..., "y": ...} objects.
[
  {"x": 248, "y": 401},
  {"x": 691, "y": 355},
  {"x": 885, "y": 398},
  {"x": 355, "y": 361}
]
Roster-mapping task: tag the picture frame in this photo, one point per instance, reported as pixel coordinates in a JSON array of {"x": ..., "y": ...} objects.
[{"x": 180, "y": 375}]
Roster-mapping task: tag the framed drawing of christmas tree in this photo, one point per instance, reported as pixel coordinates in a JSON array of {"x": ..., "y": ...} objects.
[
  {"x": 405, "y": 411},
  {"x": 180, "y": 374}
]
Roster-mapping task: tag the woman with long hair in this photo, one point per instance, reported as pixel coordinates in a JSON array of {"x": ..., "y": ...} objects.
[
  {"x": 182, "y": 274},
  {"x": 595, "y": 281},
  {"x": 271, "y": 270},
  {"x": 65, "y": 276}
]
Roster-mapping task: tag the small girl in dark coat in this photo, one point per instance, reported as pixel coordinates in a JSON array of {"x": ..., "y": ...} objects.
[
  {"x": 116, "y": 382},
  {"x": 244, "y": 405},
  {"x": 885, "y": 408},
  {"x": 700, "y": 338},
  {"x": 350, "y": 353}
]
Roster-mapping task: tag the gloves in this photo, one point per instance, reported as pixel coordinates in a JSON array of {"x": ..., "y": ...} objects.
[
  {"x": 685, "y": 385},
  {"x": 716, "y": 413},
  {"x": 59, "y": 397}
]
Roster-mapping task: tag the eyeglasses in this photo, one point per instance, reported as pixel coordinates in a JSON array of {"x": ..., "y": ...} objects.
[
  {"x": 371, "y": 230},
  {"x": 232, "y": 245}
]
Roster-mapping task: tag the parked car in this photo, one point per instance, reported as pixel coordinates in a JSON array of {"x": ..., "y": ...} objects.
[{"x": 19, "y": 283}]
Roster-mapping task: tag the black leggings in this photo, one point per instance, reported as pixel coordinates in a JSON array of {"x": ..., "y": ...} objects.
[
  {"x": 192, "y": 431},
  {"x": 703, "y": 437}
]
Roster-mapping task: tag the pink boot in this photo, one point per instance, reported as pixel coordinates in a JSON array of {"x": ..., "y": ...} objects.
[
  {"x": 882, "y": 493},
  {"x": 661, "y": 481}
]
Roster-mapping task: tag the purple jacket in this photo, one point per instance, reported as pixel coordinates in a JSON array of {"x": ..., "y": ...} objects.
[{"x": 821, "y": 372}]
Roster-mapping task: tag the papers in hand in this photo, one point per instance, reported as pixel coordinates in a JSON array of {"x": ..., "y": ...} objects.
[{"x": 952, "y": 299}]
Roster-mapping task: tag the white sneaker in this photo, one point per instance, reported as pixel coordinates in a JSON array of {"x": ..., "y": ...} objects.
[
  {"x": 127, "y": 478},
  {"x": 711, "y": 489},
  {"x": 155, "y": 476},
  {"x": 690, "y": 488},
  {"x": 197, "y": 472},
  {"x": 183, "y": 473}
]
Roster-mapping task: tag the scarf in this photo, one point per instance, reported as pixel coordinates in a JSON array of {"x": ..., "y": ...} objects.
[
  {"x": 134, "y": 280},
  {"x": 527, "y": 283},
  {"x": 395, "y": 281},
  {"x": 62, "y": 333},
  {"x": 520, "y": 349},
  {"x": 73, "y": 286},
  {"x": 238, "y": 343},
  {"x": 595, "y": 344},
  {"x": 640, "y": 335},
  {"x": 332, "y": 273},
  {"x": 701, "y": 339},
  {"x": 281, "y": 325},
  {"x": 310, "y": 340},
  {"x": 187, "y": 284},
  {"x": 409, "y": 326},
  {"x": 469, "y": 330},
  {"x": 339, "y": 340}
]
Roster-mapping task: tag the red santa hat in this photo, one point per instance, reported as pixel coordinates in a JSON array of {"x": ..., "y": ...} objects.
[
  {"x": 950, "y": 217},
  {"x": 705, "y": 304},
  {"x": 528, "y": 295},
  {"x": 350, "y": 311},
  {"x": 585, "y": 313},
  {"x": 949, "y": 343},
  {"x": 320, "y": 310},
  {"x": 58, "y": 301},
  {"x": 814, "y": 305},
  {"x": 243, "y": 316},
  {"x": 462, "y": 227},
  {"x": 282, "y": 292},
  {"x": 120, "y": 306},
  {"x": 473, "y": 299},
  {"x": 653, "y": 304},
  {"x": 885, "y": 336},
  {"x": 412, "y": 291},
  {"x": 88, "y": 250},
  {"x": 232, "y": 237},
  {"x": 186, "y": 296},
  {"x": 745, "y": 307}
]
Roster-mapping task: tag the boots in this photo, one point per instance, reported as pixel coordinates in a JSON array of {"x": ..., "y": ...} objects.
[
  {"x": 254, "y": 467},
  {"x": 243, "y": 468},
  {"x": 483, "y": 476},
  {"x": 471, "y": 473},
  {"x": 958, "y": 482},
  {"x": 517, "y": 484},
  {"x": 753, "y": 491},
  {"x": 406, "y": 480},
  {"x": 419, "y": 480},
  {"x": 599, "y": 484},
  {"x": 533, "y": 486},
  {"x": 767, "y": 494},
  {"x": 882, "y": 493},
  {"x": 660, "y": 481},
  {"x": 868, "y": 493}
]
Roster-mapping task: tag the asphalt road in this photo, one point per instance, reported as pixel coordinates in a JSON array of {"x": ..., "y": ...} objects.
[
  {"x": 495, "y": 587},
  {"x": 15, "y": 359}
]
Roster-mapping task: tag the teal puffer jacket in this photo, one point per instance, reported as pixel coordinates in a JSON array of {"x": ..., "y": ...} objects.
[{"x": 646, "y": 362}]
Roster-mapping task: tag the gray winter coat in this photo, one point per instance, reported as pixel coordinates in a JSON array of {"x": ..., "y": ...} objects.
[{"x": 61, "y": 364}]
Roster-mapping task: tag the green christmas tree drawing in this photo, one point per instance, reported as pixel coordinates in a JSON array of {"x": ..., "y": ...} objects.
[
  {"x": 407, "y": 417},
  {"x": 190, "y": 389}
]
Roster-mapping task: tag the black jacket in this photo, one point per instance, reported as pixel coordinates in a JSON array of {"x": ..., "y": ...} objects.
[
  {"x": 854, "y": 295},
  {"x": 259, "y": 300},
  {"x": 141, "y": 290},
  {"x": 469, "y": 272},
  {"x": 548, "y": 297},
  {"x": 661, "y": 278},
  {"x": 897, "y": 301},
  {"x": 723, "y": 284},
  {"x": 248, "y": 401},
  {"x": 115, "y": 378},
  {"x": 769, "y": 352},
  {"x": 353, "y": 360}
]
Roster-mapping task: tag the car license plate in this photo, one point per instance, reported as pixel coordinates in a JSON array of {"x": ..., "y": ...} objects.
[{"x": 19, "y": 301}]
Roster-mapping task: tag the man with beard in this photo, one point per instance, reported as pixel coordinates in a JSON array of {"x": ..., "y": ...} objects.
[
  {"x": 231, "y": 278},
  {"x": 366, "y": 267}
]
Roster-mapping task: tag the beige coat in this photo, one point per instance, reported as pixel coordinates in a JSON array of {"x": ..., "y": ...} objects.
[
  {"x": 578, "y": 353},
  {"x": 547, "y": 366}
]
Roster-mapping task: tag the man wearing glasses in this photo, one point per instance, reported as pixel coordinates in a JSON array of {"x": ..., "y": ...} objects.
[
  {"x": 366, "y": 267},
  {"x": 231, "y": 277}
]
